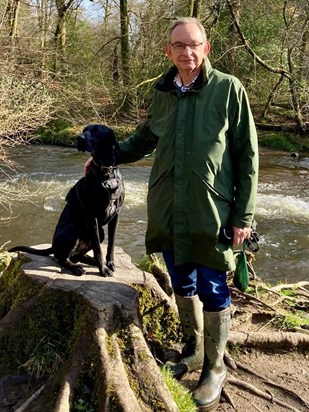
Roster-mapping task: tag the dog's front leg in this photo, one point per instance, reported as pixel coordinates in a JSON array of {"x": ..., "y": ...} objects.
[
  {"x": 96, "y": 247},
  {"x": 110, "y": 258}
]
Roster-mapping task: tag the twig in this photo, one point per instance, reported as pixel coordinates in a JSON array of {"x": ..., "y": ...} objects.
[
  {"x": 265, "y": 325},
  {"x": 252, "y": 298},
  {"x": 24, "y": 406},
  {"x": 290, "y": 298}
]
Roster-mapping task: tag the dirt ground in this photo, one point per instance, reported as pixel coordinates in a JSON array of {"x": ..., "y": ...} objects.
[
  {"x": 273, "y": 377},
  {"x": 289, "y": 370}
]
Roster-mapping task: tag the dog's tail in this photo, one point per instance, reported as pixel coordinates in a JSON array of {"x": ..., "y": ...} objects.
[{"x": 32, "y": 250}]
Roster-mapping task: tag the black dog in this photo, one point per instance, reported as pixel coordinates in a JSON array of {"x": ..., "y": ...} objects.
[{"x": 93, "y": 202}]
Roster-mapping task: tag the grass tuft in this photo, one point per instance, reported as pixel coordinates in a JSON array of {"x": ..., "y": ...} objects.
[{"x": 181, "y": 395}]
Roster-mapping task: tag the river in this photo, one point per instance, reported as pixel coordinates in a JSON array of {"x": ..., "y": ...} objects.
[{"x": 282, "y": 206}]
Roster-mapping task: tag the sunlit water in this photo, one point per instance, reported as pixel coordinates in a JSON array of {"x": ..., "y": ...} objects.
[{"x": 282, "y": 206}]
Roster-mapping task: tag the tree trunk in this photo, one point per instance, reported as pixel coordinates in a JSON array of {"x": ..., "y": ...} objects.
[
  {"x": 128, "y": 105},
  {"x": 233, "y": 37},
  {"x": 194, "y": 8},
  {"x": 80, "y": 340},
  {"x": 60, "y": 33}
]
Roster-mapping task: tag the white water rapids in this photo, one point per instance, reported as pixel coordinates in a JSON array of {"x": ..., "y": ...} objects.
[{"x": 282, "y": 206}]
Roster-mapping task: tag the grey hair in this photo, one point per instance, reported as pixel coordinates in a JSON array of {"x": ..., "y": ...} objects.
[{"x": 185, "y": 20}]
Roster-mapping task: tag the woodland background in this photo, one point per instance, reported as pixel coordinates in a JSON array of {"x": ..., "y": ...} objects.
[
  {"x": 68, "y": 63},
  {"x": 97, "y": 60}
]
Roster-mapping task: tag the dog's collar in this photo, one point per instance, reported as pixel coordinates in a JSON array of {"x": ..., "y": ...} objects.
[{"x": 106, "y": 169}]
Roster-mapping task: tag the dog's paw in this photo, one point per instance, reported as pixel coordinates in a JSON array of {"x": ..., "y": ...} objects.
[
  {"x": 111, "y": 265},
  {"x": 106, "y": 272}
]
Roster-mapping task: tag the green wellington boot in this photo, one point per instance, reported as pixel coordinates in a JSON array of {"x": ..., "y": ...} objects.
[
  {"x": 190, "y": 311},
  {"x": 214, "y": 373}
]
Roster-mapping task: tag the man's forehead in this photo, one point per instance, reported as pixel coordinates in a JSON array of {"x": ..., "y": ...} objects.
[{"x": 186, "y": 31}]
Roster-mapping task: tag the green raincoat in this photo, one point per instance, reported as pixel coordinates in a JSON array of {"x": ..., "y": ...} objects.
[{"x": 205, "y": 170}]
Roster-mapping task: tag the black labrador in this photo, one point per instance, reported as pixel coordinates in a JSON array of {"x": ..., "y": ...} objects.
[{"x": 94, "y": 201}]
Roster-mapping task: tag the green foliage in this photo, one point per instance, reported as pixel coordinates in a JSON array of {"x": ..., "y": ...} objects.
[
  {"x": 290, "y": 321},
  {"x": 5, "y": 259},
  {"x": 161, "y": 324},
  {"x": 181, "y": 395},
  {"x": 122, "y": 131},
  {"x": 86, "y": 396},
  {"x": 37, "y": 345},
  {"x": 15, "y": 289},
  {"x": 57, "y": 131},
  {"x": 146, "y": 264},
  {"x": 278, "y": 141},
  {"x": 46, "y": 356},
  {"x": 81, "y": 406}
]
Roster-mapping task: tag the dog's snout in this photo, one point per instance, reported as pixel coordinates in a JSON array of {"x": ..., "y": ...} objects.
[{"x": 81, "y": 142}]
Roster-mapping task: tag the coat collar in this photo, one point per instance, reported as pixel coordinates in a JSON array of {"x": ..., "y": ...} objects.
[{"x": 166, "y": 82}]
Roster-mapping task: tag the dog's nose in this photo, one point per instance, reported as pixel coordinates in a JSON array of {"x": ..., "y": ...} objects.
[{"x": 81, "y": 143}]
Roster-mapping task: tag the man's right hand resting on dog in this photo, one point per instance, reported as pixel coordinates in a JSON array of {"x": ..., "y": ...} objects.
[{"x": 87, "y": 164}]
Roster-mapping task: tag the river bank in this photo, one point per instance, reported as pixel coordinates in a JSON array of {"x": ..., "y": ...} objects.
[{"x": 63, "y": 133}]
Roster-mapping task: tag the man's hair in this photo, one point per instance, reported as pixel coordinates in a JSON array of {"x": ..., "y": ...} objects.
[{"x": 185, "y": 20}]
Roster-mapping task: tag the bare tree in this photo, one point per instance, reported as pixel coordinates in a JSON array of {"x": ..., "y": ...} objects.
[{"x": 288, "y": 73}]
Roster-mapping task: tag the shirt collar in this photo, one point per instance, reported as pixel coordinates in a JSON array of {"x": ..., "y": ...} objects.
[{"x": 166, "y": 82}]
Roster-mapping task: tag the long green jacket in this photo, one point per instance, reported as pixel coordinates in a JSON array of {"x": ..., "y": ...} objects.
[{"x": 205, "y": 171}]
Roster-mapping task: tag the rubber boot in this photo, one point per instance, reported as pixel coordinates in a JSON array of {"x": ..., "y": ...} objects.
[
  {"x": 214, "y": 373},
  {"x": 190, "y": 310}
]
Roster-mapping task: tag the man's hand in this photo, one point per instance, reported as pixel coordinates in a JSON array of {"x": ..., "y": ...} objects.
[
  {"x": 87, "y": 164},
  {"x": 241, "y": 234}
]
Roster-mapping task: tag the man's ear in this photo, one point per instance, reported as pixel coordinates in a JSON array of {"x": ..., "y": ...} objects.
[
  {"x": 168, "y": 50},
  {"x": 207, "y": 48}
]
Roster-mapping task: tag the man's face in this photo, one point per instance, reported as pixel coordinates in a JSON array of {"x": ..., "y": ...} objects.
[{"x": 186, "y": 59}]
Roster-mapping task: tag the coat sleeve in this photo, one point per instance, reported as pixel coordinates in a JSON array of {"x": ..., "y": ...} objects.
[
  {"x": 141, "y": 143},
  {"x": 244, "y": 158}
]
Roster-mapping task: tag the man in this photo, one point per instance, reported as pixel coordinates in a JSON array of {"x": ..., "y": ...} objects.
[{"x": 203, "y": 179}]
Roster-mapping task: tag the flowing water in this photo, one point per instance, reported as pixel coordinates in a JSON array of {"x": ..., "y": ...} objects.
[{"x": 282, "y": 206}]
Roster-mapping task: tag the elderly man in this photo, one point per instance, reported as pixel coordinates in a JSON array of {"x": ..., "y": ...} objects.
[{"x": 203, "y": 179}]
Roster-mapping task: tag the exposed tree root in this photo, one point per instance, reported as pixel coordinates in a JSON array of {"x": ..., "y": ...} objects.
[
  {"x": 229, "y": 398},
  {"x": 291, "y": 286},
  {"x": 106, "y": 350},
  {"x": 161, "y": 275},
  {"x": 70, "y": 378},
  {"x": 251, "y": 388},
  {"x": 107, "y": 363},
  {"x": 269, "y": 382},
  {"x": 269, "y": 339}
]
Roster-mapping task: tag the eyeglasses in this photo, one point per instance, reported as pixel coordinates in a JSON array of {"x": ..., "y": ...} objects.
[{"x": 180, "y": 47}]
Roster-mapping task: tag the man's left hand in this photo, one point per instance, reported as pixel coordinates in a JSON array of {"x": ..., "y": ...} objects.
[{"x": 240, "y": 235}]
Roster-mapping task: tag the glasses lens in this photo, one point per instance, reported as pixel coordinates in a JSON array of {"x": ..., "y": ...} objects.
[{"x": 179, "y": 47}]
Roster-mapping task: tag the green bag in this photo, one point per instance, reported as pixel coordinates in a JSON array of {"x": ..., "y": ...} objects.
[{"x": 241, "y": 274}]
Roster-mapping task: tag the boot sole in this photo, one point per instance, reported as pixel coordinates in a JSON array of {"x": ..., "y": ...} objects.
[{"x": 210, "y": 407}]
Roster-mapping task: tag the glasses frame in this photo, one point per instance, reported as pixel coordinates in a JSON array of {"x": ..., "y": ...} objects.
[{"x": 182, "y": 46}]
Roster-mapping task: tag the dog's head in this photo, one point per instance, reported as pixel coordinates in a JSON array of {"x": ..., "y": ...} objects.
[{"x": 101, "y": 142}]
